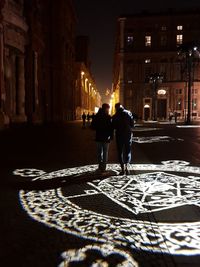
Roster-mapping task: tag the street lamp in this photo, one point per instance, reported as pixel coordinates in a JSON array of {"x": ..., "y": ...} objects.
[
  {"x": 155, "y": 79},
  {"x": 189, "y": 51}
]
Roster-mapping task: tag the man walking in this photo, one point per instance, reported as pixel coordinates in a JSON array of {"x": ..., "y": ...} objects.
[
  {"x": 103, "y": 126},
  {"x": 123, "y": 123}
]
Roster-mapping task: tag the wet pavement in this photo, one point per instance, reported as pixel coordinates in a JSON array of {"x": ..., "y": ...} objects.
[{"x": 57, "y": 210}]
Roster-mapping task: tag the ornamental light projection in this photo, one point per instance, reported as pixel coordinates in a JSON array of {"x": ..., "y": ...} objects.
[
  {"x": 155, "y": 139},
  {"x": 156, "y": 188},
  {"x": 97, "y": 256}
]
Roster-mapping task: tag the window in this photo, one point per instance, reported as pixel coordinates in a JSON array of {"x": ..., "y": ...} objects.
[
  {"x": 178, "y": 91},
  {"x": 163, "y": 40},
  {"x": 179, "y": 39},
  {"x": 148, "y": 40},
  {"x": 147, "y": 60},
  {"x": 194, "y": 104},
  {"x": 194, "y": 91},
  {"x": 163, "y": 28},
  {"x": 130, "y": 40},
  {"x": 179, "y": 27},
  {"x": 179, "y": 104},
  {"x": 147, "y": 101}
]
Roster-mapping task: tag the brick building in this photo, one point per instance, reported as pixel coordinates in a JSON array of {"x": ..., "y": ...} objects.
[{"x": 147, "y": 44}]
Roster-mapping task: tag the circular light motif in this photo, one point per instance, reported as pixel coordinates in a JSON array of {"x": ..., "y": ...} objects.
[
  {"x": 156, "y": 188},
  {"x": 162, "y": 92},
  {"x": 101, "y": 255},
  {"x": 28, "y": 172}
]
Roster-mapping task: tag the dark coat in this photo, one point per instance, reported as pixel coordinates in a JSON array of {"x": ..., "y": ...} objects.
[
  {"x": 123, "y": 123},
  {"x": 103, "y": 125}
]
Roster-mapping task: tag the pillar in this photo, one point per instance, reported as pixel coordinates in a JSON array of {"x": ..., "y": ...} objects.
[
  {"x": 21, "y": 117},
  {"x": 4, "y": 120}
]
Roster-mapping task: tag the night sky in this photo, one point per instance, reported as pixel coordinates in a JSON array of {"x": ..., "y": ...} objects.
[{"x": 97, "y": 19}]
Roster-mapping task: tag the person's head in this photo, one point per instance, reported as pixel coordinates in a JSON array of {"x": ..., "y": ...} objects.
[
  {"x": 118, "y": 106},
  {"x": 105, "y": 108}
]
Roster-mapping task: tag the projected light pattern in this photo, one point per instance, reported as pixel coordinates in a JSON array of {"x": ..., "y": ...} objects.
[
  {"x": 151, "y": 192},
  {"x": 145, "y": 129},
  {"x": 97, "y": 256},
  {"x": 158, "y": 187},
  {"x": 154, "y": 139},
  {"x": 188, "y": 126}
]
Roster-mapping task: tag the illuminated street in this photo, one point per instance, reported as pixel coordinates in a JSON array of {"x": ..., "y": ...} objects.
[{"x": 56, "y": 208}]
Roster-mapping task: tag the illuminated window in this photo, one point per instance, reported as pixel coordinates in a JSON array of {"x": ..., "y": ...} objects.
[
  {"x": 179, "y": 39},
  {"x": 163, "y": 28},
  {"x": 147, "y": 60},
  {"x": 180, "y": 27},
  {"x": 148, "y": 40},
  {"x": 130, "y": 40},
  {"x": 194, "y": 104}
]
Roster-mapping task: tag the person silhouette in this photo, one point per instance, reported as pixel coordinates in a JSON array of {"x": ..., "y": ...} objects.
[{"x": 123, "y": 123}]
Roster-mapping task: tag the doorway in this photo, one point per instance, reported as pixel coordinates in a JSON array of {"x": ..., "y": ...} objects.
[
  {"x": 162, "y": 109},
  {"x": 146, "y": 113}
]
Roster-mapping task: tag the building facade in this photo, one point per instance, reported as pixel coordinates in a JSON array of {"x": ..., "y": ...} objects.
[
  {"x": 13, "y": 41},
  {"x": 87, "y": 97},
  {"x": 59, "y": 20},
  {"x": 37, "y": 61},
  {"x": 147, "y": 44}
]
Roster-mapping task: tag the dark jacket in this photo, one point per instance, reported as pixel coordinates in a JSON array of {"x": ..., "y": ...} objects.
[
  {"x": 123, "y": 123},
  {"x": 103, "y": 126}
]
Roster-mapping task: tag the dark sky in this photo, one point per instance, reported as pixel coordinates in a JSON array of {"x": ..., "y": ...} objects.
[{"x": 97, "y": 19}]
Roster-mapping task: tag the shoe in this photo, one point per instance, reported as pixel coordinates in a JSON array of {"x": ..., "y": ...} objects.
[
  {"x": 126, "y": 169},
  {"x": 103, "y": 167},
  {"x": 127, "y": 172},
  {"x": 122, "y": 172}
]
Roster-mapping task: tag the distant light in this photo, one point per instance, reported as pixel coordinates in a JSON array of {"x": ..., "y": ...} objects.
[
  {"x": 180, "y": 27},
  {"x": 96, "y": 109},
  {"x": 146, "y": 106},
  {"x": 148, "y": 60},
  {"x": 162, "y": 92},
  {"x": 195, "y": 48},
  {"x": 82, "y": 73}
]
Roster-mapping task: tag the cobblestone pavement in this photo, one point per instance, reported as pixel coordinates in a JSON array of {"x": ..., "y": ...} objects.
[{"x": 56, "y": 210}]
